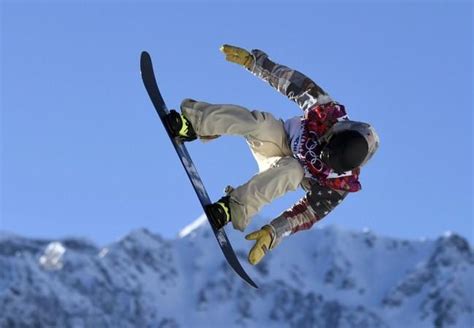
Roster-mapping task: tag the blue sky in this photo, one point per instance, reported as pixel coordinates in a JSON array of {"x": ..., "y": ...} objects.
[{"x": 83, "y": 152}]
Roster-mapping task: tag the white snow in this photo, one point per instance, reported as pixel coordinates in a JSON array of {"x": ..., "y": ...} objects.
[
  {"x": 362, "y": 279},
  {"x": 202, "y": 219},
  {"x": 103, "y": 252},
  {"x": 447, "y": 234},
  {"x": 52, "y": 259}
]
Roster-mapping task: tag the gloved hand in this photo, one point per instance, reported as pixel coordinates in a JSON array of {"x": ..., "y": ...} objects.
[
  {"x": 264, "y": 238},
  {"x": 238, "y": 55}
]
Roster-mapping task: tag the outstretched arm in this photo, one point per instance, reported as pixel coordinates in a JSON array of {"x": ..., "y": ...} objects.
[
  {"x": 313, "y": 207},
  {"x": 291, "y": 83}
]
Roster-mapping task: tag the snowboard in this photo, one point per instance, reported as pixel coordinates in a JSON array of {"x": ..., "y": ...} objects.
[{"x": 148, "y": 77}]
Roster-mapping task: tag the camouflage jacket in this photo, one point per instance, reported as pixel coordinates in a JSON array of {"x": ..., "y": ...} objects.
[{"x": 324, "y": 188}]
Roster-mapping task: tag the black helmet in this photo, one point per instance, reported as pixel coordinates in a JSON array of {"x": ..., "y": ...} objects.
[{"x": 348, "y": 145}]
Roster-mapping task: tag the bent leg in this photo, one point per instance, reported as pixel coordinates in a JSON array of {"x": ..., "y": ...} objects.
[
  {"x": 264, "y": 133},
  {"x": 213, "y": 119},
  {"x": 246, "y": 200},
  {"x": 210, "y": 120}
]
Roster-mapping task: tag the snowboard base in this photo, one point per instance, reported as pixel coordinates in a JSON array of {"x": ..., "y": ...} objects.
[{"x": 153, "y": 91}]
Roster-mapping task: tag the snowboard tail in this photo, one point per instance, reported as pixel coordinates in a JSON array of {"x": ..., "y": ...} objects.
[{"x": 153, "y": 91}]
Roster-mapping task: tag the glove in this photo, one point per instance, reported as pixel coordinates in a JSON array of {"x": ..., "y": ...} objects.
[
  {"x": 238, "y": 55},
  {"x": 264, "y": 238}
]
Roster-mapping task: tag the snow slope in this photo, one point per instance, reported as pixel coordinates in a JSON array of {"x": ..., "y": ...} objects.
[{"x": 325, "y": 277}]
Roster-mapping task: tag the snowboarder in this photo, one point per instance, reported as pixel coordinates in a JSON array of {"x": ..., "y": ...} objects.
[{"x": 321, "y": 151}]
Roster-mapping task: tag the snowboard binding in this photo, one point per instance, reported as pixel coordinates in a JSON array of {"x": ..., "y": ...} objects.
[
  {"x": 219, "y": 212},
  {"x": 180, "y": 127}
]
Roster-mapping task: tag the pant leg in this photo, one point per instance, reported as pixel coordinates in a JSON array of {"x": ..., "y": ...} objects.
[
  {"x": 246, "y": 200},
  {"x": 267, "y": 139},
  {"x": 215, "y": 119},
  {"x": 269, "y": 142},
  {"x": 265, "y": 134}
]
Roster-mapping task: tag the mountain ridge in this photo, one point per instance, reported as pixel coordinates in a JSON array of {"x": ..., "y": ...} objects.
[{"x": 324, "y": 277}]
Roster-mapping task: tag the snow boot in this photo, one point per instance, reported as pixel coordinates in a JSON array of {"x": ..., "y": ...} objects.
[
  {"x": 180, "y": 127},
  {"x": 219, "y": 212}
]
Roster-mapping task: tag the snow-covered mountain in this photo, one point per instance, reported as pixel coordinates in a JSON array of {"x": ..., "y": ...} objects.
[{"x": 325, "y": 277}]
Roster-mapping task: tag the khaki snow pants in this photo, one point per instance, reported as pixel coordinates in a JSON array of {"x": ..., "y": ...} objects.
[{"x": 278, "y": 173}]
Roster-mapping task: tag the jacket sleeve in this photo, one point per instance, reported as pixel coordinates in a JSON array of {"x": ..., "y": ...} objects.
[
  {"x": 293, "y": 84},
  {"x": 314, "y": 206}
]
